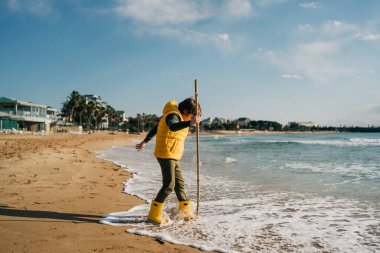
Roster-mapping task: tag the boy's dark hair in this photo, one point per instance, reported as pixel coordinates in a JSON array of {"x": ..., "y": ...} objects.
[{"x": 189, "y": 105}]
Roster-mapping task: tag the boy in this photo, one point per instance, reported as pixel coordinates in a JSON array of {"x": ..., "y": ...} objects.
[{"x": 171, "y": 134}]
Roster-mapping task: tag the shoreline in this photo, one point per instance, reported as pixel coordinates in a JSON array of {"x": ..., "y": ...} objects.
[{"x": 54, "y": 191}]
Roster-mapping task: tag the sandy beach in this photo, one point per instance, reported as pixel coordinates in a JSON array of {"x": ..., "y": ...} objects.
[{"x": 54, "y": 191}]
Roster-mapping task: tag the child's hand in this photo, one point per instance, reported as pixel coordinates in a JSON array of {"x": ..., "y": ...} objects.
[
  {"x": 195, "y": 120},
  {"x": 140, "y": 145}
]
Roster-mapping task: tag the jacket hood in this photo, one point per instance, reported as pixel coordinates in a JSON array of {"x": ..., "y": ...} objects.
[{"x": 170, "y": 106}]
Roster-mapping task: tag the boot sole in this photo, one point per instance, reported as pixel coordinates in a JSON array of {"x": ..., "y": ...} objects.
[{"x": 156, "y": 223}]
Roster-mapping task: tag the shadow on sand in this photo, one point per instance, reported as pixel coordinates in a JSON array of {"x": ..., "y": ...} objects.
[{"x": 58, "y": 217}]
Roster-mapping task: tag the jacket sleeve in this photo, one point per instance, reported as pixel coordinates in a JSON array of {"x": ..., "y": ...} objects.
[
  {"x": 174, "y": 122},
  {"x": 151, "y": 134}
]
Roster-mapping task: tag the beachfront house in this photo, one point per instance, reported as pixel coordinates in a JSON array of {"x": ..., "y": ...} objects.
[
  {"x": 119, "y": 119},
  {"x": 218, "y": 121},
  {"x": 104, "y": 121},
  {"x": 206, "y": 122},
  {"x": 25, "y": 116},
  {"x": 243, "y": 122},
  {"x": 121, "y": 116}
]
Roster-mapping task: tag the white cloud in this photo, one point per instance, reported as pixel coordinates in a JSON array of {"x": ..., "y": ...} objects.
[
  {"x": 305, "y": 28},
  {"x": 332, "y": 28},
  {"x": 33, "y": 7},
  {"x": 201, "y": 38},
  {"x": 336, "y": 27},
  {"x": 318, "y": 48},
  {"x": 316, "y": 61},
  {"x": 222, "y": 41},
  {"x": 181, "y": 12},
  {"x": 237, "y": 8},
  {"x": 326, "y": 52},
  {"x": 291, "y": 76},
  {"x": 333, "y": 24},
  {"x": 368, "y": 36},
  {"x": 181, "y": 19},
  {"x": 161, "y": 12},
  {"x": 225, "y": 37},
  {"x": 310, "y": 5},
  {"x": 268, "y": 56},
  {"x": 269, "y": 2}
]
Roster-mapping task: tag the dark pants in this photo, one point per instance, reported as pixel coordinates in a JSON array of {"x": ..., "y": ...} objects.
[{"x": 172, "y": 179}]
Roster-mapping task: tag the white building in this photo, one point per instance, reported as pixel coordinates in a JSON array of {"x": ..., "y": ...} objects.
[
  {"x": 243, "y": 122},
  {"x": 218, "y": 121},
  {"x": 99, "y": 103},
  {"x": 26, "y": 116},
  {"x": 206, "y": 122}
]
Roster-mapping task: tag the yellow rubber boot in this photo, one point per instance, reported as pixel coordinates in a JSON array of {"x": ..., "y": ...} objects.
[
  {"x": 185, "y": 210},
  {"x": 155, "y": 213}
]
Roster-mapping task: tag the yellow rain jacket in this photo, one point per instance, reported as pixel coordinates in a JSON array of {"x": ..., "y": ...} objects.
[{"x": 170, "y": 145}]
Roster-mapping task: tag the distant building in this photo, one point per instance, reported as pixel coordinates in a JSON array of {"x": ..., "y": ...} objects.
[
  {"x": 303, "y": 123},
  {"x": 26, "y": 116},
  {"x": 52, "y": 113},
  {"x": 218, "y": 121},
  {"x": 97, "y": 99},
  {"x": 121, "y": 116},
  {"x": 206, "y": 122},
  {"x": 243, "y": 122},
  {"x": 99, "y": 103}
]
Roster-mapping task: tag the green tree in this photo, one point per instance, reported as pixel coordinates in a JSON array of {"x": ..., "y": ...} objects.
[
  {"x": 74, "y": 101},
  {"x": 91, "y": 109},
  {"x": 82, "y": 110},
  {"x": 111, "y": 113},
  {"x": 100, "y": 113}
]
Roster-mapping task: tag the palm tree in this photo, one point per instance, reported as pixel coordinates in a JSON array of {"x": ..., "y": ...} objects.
[
  {"x": 151, "y": 121},
  {"x": 111, "y": 113},
  {"x": 143, "y": 122},
  {"x": 91, "y": 109},
  {"x": 138, "y": 122},
  {"x": 100, "y": 112},
  {"x": 82, "y": 110},
  {"x": 79, "y": 108},
  {"x": 74, "y": 101}
]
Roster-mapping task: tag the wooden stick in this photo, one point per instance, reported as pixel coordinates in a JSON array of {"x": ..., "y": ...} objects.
[{"x": 197, "y": 133}]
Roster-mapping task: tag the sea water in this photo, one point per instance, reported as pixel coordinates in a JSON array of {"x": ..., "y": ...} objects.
[{"x": 265, "y": 193}]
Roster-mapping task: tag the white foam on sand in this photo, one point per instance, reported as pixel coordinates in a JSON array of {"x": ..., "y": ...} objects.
[
  {"x": 239, "y": 217},
  {"x": 168, "y": 238}
]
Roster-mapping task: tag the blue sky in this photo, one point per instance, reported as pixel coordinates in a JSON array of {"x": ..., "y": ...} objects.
[{"x": 282, "y": 60}]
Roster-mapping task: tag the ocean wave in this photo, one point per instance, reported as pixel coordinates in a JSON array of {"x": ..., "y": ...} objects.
[
  {"x": 229, "y": 160},
  {"x": 358, "y": 171},
  {"x": 353, "y": 142},
  {"x": 365, "y": 142}
]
